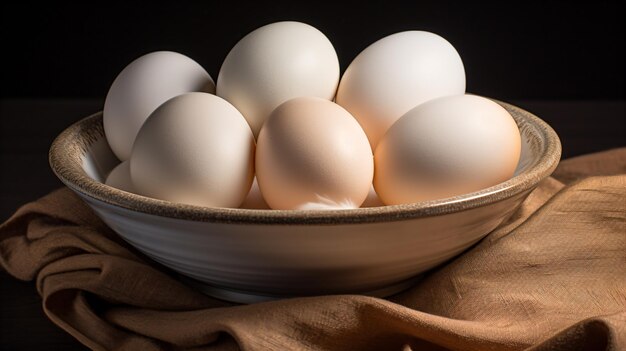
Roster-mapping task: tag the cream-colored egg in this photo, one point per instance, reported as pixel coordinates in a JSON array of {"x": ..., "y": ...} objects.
[
  {"x": 120, "y": 177},
  {"x": 312, "y": 154},
  {"x": 141, "y": 87},
  {"x": 195, "y": 149},
  {"x": 397, "y": 73},
  {"x": 446, "y": 147},
  {"x": 275, "y": 63}
]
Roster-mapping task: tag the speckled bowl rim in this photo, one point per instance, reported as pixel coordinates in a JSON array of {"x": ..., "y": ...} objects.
[{"x": 68, "y": 148}]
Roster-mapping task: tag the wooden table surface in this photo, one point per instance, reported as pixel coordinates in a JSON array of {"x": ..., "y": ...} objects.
[{"x": 27, "y": 128}]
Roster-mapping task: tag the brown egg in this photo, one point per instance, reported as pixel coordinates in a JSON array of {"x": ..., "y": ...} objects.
[{"x": 312, "y": 154}]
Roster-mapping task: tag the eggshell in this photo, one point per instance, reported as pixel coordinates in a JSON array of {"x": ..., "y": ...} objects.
[
  {"x": 446, "y": 147},
  {"x": 120, "y": 177},
  {"x": 372, "y": 199},
  {"x": 275, "y": 63},
  {"x": 312, "y": 154},
  {"x": 195, "y": 149},
  {"x": 397, "y": 73},
  {"x": 141, "y": 87},
  {"x": 255, "y": 199}
]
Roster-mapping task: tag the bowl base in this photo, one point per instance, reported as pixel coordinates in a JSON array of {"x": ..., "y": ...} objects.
[{"x": 248, "y": 297}]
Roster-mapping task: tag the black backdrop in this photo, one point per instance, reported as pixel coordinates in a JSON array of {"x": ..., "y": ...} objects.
[{"x": 511, "y": 50}]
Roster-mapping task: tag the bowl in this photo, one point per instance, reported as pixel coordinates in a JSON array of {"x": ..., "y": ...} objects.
[{"x": 245, "y": 255}]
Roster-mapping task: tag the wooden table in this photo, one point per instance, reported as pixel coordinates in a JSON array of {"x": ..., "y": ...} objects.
[{"x": 27, "y": 128}]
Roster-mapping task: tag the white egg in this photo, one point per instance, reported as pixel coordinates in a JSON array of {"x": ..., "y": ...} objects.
[
  {"x": 195, "y": 149},
  {"x": 141, "y": 87},
  {"x": 275, "y": 63},
  {"x": 312, "y": 154},
  {"x": 446, "y": 147},
  {"x": 397, "y": 73},
  {"x": 120, "y": 177}
]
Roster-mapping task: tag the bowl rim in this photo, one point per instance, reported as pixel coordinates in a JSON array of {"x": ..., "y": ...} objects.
[{"x": 72, "y": 143}]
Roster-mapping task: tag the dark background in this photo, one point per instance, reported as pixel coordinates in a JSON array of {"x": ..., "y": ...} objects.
[
  {"x": 511, "y": 50},
  {"x": 564, "y": 61}
]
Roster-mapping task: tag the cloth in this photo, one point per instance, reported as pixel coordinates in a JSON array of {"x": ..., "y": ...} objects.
[{"x": 552, "y": 277}]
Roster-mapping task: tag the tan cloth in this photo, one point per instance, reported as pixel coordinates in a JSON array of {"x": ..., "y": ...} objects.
[{"x": 553, "y": 277}]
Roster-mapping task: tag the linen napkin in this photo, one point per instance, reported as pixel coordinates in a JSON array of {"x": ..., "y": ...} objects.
[{"x": 552, "y": 277}]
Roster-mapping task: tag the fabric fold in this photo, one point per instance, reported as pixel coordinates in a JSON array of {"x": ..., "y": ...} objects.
[{"x": 552, "y": 277}]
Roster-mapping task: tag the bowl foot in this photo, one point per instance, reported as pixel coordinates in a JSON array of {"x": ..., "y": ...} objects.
[{"x": 248, "y": 297}]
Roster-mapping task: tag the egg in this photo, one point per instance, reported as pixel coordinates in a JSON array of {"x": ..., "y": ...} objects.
[
  {"x": 141, "y": 87},
  {"x": 446, "y": 147},
  {"x": 194, "y": 149},
  {"x": 395, "y": 74},
  {"x": 372, "y": 199},
  {"x": 255, "y": 200},
  {"x": 312, "y": 154},
  {"x": 275, "y": 63},
  {"x": 119, "y": 177}
]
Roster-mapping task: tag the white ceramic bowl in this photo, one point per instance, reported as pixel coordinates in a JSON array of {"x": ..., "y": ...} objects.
[{"x": 246, "y": 255}]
